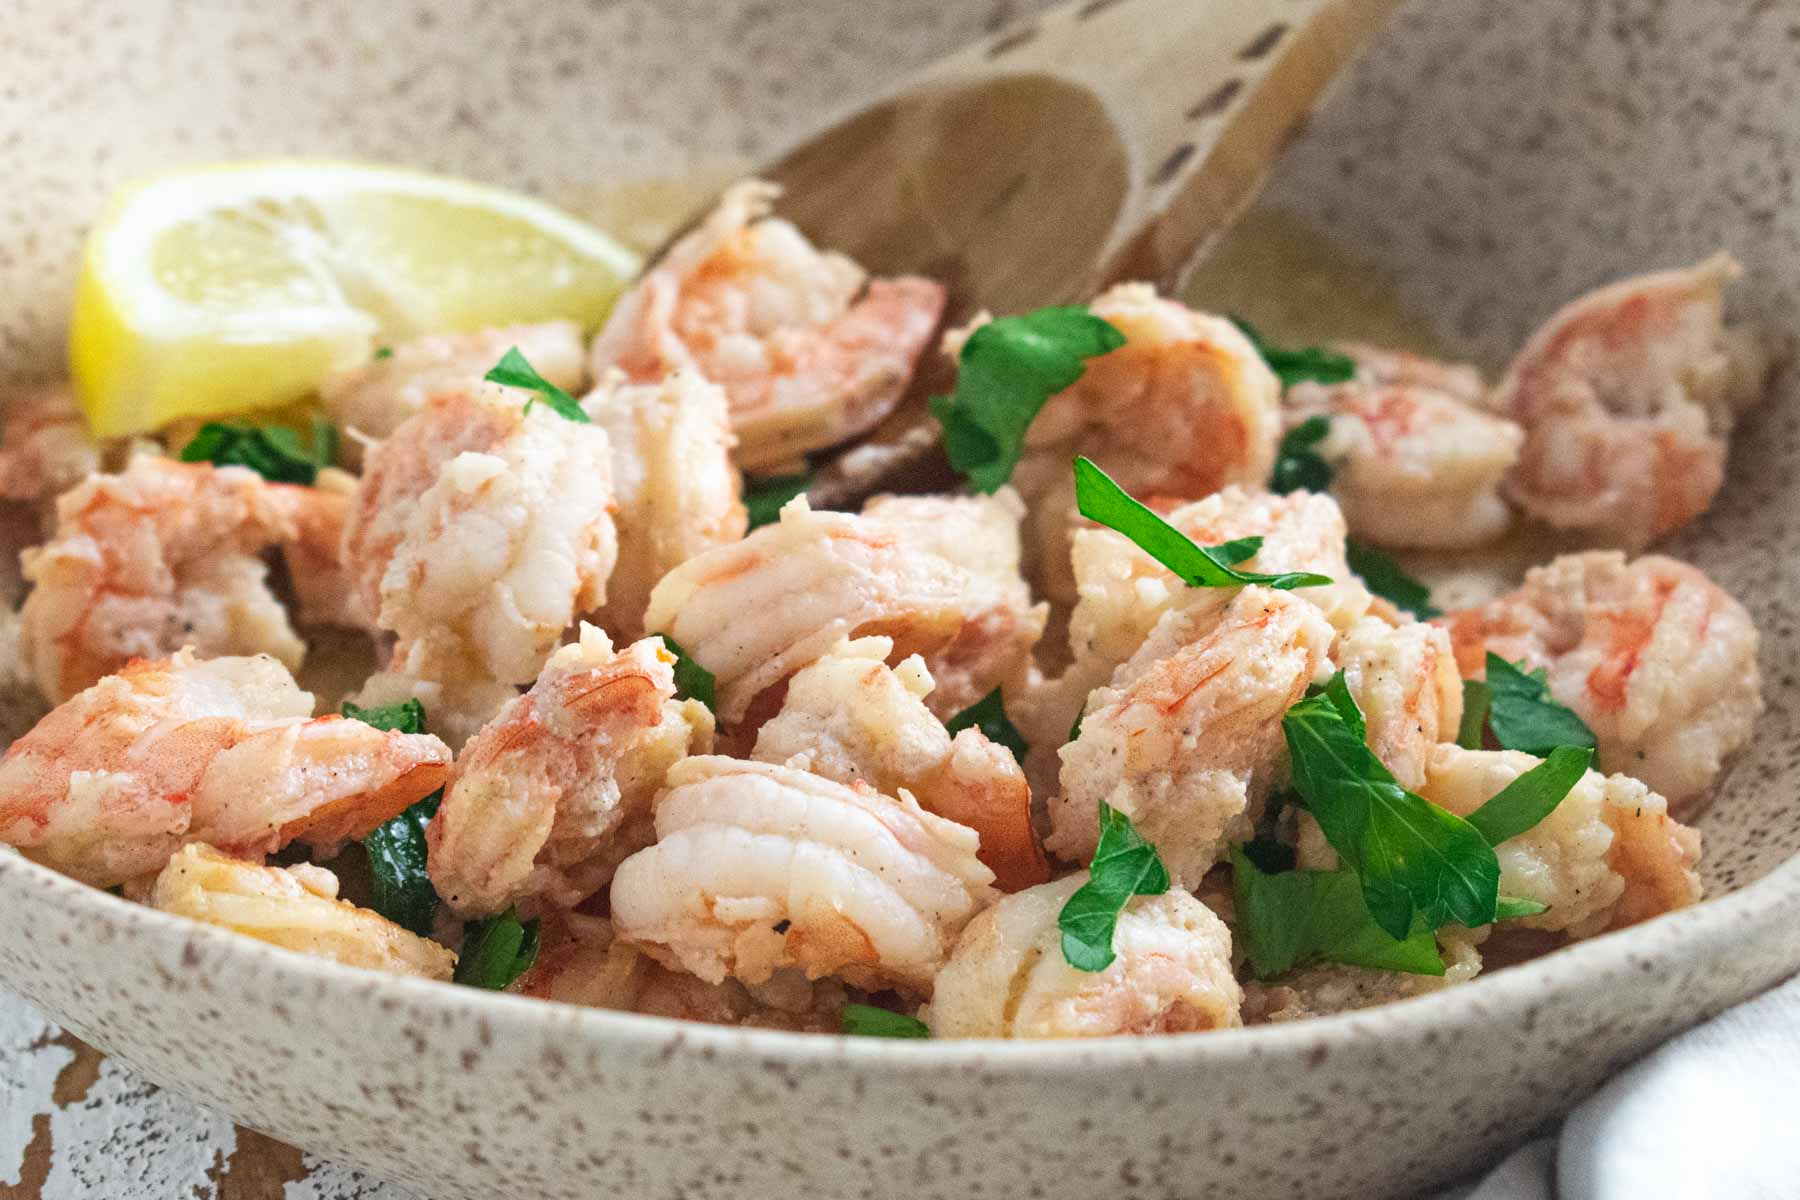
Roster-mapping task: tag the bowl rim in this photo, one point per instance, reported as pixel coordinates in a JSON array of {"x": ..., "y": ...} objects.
[{"x": 1728, "y": 917}]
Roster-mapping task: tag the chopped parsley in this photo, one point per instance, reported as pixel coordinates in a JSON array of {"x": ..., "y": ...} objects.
[
  {"x": 691, "y": 679},
  {"x": 513, "y": 371},
  {"x": 1532, "y": 796},
  {"x": 1125, "y": 865},
  {"x": 988, "y": 714},
  {"x": 496, "y": 951},
  {"x": 400, "y": 886},
  {"x": 763, "y": 498},
  {"x": 1298, "y": 465},
  {"x": 272, "y": 451},
  {"x": 1308, "y": 364},
  {"x": 1102, "y": 500},
  {"x": 1476, "y": 696},
  {"x": 1288, "y": 918},
  {"x": 1523, "y": 714},
  {"x": 1387, "y": 579},
  {"x": 382, "y": 352},
  {"x": 866, "y": 1020},
  {"x": 1007, "y": 369}
]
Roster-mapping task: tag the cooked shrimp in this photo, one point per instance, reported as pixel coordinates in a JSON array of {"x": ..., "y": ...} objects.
[
  {"x": 1404, "y": 679},
  {"x": 224, "y": 751},
  {"x": 590, "y": 967},
  {"x": 45, "y": 446},
  {"x": 1655, "y": 657},
  {"x": 1187, "y": 745},
  {"x": 455, "y": 710},
  {"x": 1007, "y": 976},
  {"x": 855, "y": 719},
  {"x": 1609, "y": 855},
  {"x": 157, "y": 557},
  {"x": 756, "y": 611},
  {"x": 1413, "y": 465},
  {"x": 376, "y": 398},
  {"x": 296, "y": 908},
  {"x": 672, "y": 475},
  {"x": 759, "y": 867},
  {"x": 480, "y": 530},
  {"x": 554, "y": 792},
  {"x": 324, "y": 591},
  {"x": 1627, "y": 397},
  {"x": 1124, "y": 592},
  {"x": 1384, "y": 366},
  {"x": 808, "y": 354}
]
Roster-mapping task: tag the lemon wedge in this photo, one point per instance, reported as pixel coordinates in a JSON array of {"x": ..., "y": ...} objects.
[{"x": 220, "y": 289}]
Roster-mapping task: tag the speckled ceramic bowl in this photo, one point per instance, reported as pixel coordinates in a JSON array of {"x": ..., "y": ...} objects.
[{"x": 1493, "y": 159}]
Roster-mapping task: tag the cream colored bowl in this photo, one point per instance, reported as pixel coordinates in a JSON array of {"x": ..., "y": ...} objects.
[{"x": 1492, "y": 160}]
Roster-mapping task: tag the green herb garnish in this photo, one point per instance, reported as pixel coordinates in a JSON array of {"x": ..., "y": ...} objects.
[
  {"x": 1474, "y": 715},
  {"x": 866, "y": 1020},
  {"x": 1308, "y": 364},
  {"x": 272, "y": 451},
  {"x": 513, "y": 371},
  {"x": 1532, "y": 796},
  {"x": 764, "y": 497},
  {"x": 1290, "y": 918},
  {"x": 692, "y": 680},
  {"x": 1412, "y": 857},
  {"x": 1007, "y": 369},
  {"x": 382, "y": 352},
  {"x": 1125, "y": 865},
  {"x": 400, "y": 885},
  {"x": 1386, "y": 579},
  {"x": 496, "y": 951},
  {"x": 1102, "y": 500},
  {"x": 1523, "y": 714},
  {"x": 988, "y": 714},
  {"x": 1298, "y": 464},
  {"x": 1513, "y": 907}
]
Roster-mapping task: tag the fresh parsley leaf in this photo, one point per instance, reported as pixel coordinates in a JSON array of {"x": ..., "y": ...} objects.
[
  {"x": 1412, "y": 857},
  {"x": 1075, "y": 729},
  {"x": 1476, "y": 697},
  {"x": 1523, "y": 714},
  {"x": 1290, "y": 918},
  {"x": 1298, "y": 465},
  {"x": 866, "y": 1020},
  {"x": 764, "y": 497},
  {"x": 272, "y": 451},
  {"x": 988, "y": 714},
  {"x": 496, "y": 951},
  {"x": 1512, "y": 907},
  {"x": 513, "y": 371},
  {"x": 1387, "y": 580},
  {"x": 1102, "y": 500},
  {"x": 1007, "y": 370},
  {"x": 1532, "y": 796},
  {"x": 1124, "y": 865},
  {"x": 691, "y": 679},
  {"x": 400, "y": 886},
  {"x": 1308, "y": 364},
  {"x": 406, "y": 716},
  {"x": 382, "y": 352}
]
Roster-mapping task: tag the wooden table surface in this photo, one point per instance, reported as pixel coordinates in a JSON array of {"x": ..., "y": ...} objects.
[{"x": 77, "y": 1126}]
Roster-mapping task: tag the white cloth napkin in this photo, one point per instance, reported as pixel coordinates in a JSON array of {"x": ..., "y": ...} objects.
[{"x": 1713, "y": 1113}]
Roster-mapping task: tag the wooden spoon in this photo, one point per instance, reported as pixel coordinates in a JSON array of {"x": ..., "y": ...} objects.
[{"x": 1103, "y": 140}]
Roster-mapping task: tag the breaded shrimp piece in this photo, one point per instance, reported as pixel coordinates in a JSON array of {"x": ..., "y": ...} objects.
[
  {"x": 554, "y": 792},
  {"x": 480, "y": 531},
  {"x": 1608, "y": 856},
  {"x": 1415, "y": 462},
  {"x": 1007, "y": 976},
  {"x": 810, "y": 351},
  {"x": 1627, "y": 397},
  {"x": 758, "y": 867},
  {"x": 162, "y": 555},
  {"x": 676, "y": 489},
  {"x": 376, "y": 398},
  {"x": 224, "y": 751},
  {"x": 587, "y": 965},
  {"x": 296, "y": 908},
  {"x": 756, "y": 611},
  {"x": 45, "y": 446},
  {"x": 852, "y": 718},
  {"x": 1658, "y": 660},
  {"x": 1187, "y": 745}
]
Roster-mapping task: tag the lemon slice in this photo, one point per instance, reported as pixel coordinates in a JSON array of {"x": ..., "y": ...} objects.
[{"x": 220, "y": 289}]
